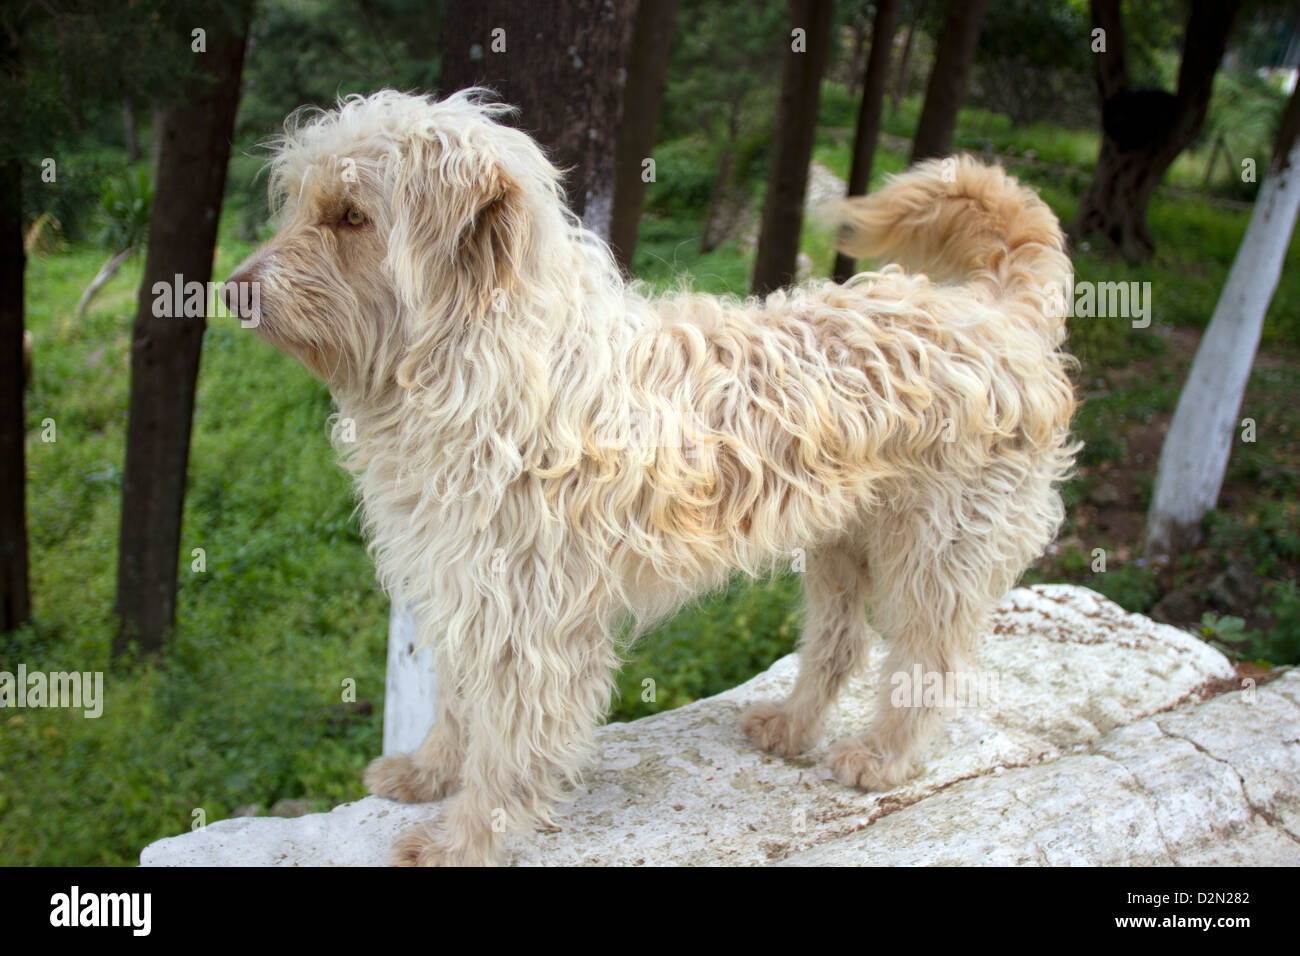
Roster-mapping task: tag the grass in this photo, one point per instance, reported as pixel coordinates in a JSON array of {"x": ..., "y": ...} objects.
[{"x": 248, "y": 708}]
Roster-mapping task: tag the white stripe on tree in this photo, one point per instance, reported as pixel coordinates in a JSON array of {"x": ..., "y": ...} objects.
[
  {"x": 1195, "y": 454},
  {"x": 410, "y": 687}
]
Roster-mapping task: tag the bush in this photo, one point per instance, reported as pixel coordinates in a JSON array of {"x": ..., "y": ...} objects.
[
  {"x": 124, "y": 210},
  {"x": 76, "y": 195},
  {"x": 1281, "y": 645}
]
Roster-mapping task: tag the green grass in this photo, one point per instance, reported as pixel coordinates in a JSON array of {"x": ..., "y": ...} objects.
[{"x": 247, "y": 706}]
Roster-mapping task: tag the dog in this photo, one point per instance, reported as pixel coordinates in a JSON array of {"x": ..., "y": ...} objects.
[{"x": 545, "y": 452}]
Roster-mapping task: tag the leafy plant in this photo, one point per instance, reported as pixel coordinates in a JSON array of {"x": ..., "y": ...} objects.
[
  {"x": 124, "y": 210},
  {"x": 1227, "y": 632}
]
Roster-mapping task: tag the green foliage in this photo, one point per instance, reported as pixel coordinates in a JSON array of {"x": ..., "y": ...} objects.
[
  {"x": 1029, "y": 60},
  {"x": 76, "y": 195},
  {"x": 125, "y": 209},
  {"x": 310, "y": 54},
  {"x": 65, "y": 102},
  {"x": 1130, "y": 585},
  {"x": 1223, "y": 630},
  {"x": 721, "y": 66},
  {"x": 1103, "y": 420},
  {"x": 1277, "y": 644},
  {"x": 836, "y": 107},
  {"x": 1282, "y": 642},
  {"x": 1269, "y": 535},
  {"x": 685, "y": 173}
]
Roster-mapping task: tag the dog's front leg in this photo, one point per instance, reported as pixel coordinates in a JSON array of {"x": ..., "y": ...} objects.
[
  {"x": 432, "y": 770},
  {"x": 533, "y": 692}
]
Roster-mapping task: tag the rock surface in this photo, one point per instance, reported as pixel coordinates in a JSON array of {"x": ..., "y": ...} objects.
[{"x": 1111, "y": 739}]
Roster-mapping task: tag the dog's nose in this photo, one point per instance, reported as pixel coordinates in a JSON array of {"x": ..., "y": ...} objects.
[
  {"x": 245, "y": 275},
  {"x": 230, "y": 293}
]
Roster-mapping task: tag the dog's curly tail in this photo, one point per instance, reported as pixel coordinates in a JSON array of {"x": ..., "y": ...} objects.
[{"x": 958, "y": 220}]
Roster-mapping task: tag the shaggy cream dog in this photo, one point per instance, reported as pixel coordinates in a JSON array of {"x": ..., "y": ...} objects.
[{"x": 544, "y": 452}]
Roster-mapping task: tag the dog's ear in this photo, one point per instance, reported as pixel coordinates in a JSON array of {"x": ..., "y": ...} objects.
[{"x": 460, "y": 231}]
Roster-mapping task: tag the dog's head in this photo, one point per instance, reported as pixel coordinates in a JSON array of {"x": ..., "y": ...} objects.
[{"x": 405, "y": 224}]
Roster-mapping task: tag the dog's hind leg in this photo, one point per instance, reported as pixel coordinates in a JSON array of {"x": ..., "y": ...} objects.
[
  {"x": 930, "y": 600},
  {"x": 432, "y": 770},
  {"x": 834, "y": 640}
]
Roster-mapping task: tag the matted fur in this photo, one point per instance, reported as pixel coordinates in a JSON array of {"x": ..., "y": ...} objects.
[{"x": 543, "y": 450}]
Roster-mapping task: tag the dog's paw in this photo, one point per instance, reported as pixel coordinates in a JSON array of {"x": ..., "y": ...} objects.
[
  {"x": 429, "y": 845},
  {"x": 399, "y": 777},
  {"x": 771, "y": 727},
  {"x": 863, "y": 763}
]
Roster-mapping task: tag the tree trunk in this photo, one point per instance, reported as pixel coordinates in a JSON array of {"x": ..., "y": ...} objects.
[
  {"x": 1114, "y": 204},
  {"x": 156, "y": 138},
  {"x": 15, "y": 599},
  {"x": 165, "y": 350},
  {"x": 1194, "y": 457},
  {"x": 410, "y": 688},
  {"x": 1144, "y": 131},
  {"x": 947, "y": 88},
  {"x": 869, "y": 114},
  {"x": 561, "y": 65},
  {"x": 796, "y": 126},
  {"x": 647, "y": 64},
  {"x": 710, "y": 233},
  {"x": 106, "y": 273}
]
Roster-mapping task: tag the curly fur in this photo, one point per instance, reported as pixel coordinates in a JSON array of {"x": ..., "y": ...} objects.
[{"x": 543, "y": 450}]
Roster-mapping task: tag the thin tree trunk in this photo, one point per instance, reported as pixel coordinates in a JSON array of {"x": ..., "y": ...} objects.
[
  {"x": 107, "y": 272},
  {"x": 165, "y": 350},
  {"x": 869, "y": 114},
  {"x": 1144, "y": 131},
  {"x": 718, "y": 198},
  {"x": 643, "y": 94},
  {"x": 1194, "y": 457},
  {"x": 15, "y": 598},
  {"x": 947, "y": 88},
  {"x": 1115, "y": 202},
  {"x": 721, "y": 190},
  {"x": 796, "y": 126},
  {"x": 560, "y": 66}
]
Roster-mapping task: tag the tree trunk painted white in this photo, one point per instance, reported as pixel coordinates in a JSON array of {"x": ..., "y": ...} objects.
[
  {"x": 1194, "y": 457},
  {"x": 409, "y": 695}
]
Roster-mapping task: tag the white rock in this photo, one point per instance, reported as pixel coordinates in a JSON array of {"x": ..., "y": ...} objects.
[{"x": 1105, "y": 745}]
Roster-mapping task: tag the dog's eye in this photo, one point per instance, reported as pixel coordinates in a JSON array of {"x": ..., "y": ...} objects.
[{"x": 355, "y": 217}]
